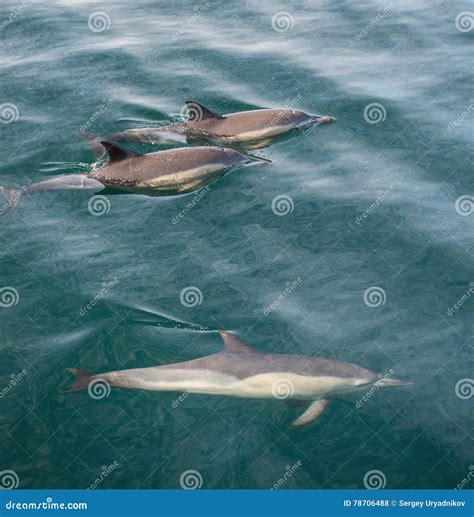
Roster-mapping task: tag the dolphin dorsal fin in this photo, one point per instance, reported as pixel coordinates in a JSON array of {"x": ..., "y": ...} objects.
[
  {"x": 199, "y": 112},
  {"x": 117, "y": 153},
  {"x": 233, "y": 344}
]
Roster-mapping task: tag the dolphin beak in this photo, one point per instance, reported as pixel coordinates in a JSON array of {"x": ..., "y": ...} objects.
[
  {"x": 322, "y": 119},
  {"x": 392, "y": 382}
]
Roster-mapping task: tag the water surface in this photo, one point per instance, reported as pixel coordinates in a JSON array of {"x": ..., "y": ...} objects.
[{"x": 366, "y": 205}]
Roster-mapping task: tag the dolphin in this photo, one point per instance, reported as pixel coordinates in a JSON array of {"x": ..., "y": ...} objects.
[
  {"x": 174, "y": 171},
  {"x": 243, "y": 371},
  {"x": 254, "y": 129}
]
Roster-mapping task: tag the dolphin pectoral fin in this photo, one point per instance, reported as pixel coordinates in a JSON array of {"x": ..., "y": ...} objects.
[
  {"x": 314, "y": 410},
  {"x": 117, "y": 153},
  {"x": 199, "y": 112},
  {"x": 94, "y": 142}
]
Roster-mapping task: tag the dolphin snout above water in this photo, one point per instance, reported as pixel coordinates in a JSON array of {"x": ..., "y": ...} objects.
[{"x": 242, "y": 371}]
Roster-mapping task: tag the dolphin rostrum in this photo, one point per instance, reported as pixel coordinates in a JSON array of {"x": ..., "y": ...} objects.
[
  {"x": 175, "y": 171},
  {"x": 242, "y": 371},
  {"x": 256, "y": 128}
]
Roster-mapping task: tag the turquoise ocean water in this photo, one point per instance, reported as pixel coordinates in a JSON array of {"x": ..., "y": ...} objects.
[{"x": 355, "y": 244}]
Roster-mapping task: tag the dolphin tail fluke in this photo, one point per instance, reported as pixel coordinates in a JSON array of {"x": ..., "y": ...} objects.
[
  {"x": 12, "y": 198},
  {"x": 314, "y": 410},
  {"x": 94, "y": 143},
  {"x": 81, "y": 379}
]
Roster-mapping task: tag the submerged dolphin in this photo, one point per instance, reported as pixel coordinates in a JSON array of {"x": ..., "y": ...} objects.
[
  {"x": 175, "y": 171},
  {"x": 242, "y": 371},
  {"x": 256, "y": 127}
]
